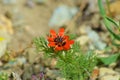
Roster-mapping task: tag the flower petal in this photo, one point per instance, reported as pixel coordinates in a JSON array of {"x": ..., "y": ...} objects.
[
  {"x": 57, "y": 48},
  {"x": 66, "y": 37},
  {"x": 61, "y": 32},
  {"x": 67, "y": 46},
  {"x": 71, "y": 42},
  {"x": 51, "y": 44},
  {"x": 53, "y": 33},
  {"x": 50, "y": 39}
]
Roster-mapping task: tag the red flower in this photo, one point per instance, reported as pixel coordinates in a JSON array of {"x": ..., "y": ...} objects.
[{"x": 59, "y": 41}]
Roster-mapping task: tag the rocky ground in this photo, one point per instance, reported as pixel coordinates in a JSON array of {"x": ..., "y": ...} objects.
[{"x": 23, "y": 20}]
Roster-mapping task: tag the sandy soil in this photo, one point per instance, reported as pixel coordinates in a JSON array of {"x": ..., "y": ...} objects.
[{"x": 36, "y": 21}]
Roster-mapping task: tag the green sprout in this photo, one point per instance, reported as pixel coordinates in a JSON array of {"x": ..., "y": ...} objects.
[{"x": 109, "y": 23}]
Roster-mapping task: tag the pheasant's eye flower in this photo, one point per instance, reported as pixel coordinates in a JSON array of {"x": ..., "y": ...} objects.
[{"x": 59, "y": 41}]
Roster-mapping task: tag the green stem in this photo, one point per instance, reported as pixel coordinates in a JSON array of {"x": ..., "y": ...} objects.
[
  {"x": 108, "y": 7},
  {"x": 81, "y": 78},
  {"x": 61, "y": 57}
]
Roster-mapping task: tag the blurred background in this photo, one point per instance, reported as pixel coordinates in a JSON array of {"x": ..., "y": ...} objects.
[{"x": 23, "y": 20}]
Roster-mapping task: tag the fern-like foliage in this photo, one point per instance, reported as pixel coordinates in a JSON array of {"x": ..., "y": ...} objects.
[
  {"x": 73, "y": 63},
  {"x": 77, "y": 66}
]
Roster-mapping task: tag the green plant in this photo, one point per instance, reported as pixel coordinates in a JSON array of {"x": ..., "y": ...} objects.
[
  {"x": 108, "y": 7},
  {"x": 3, "y": 76},
  {"x": 77, "y": 66},
  {"x": 72, "y": 62},
  {"x": 109, "y": 23}
]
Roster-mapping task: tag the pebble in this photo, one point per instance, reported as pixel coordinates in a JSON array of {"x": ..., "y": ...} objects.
[
  {"x": 108, "y": 74},
  {"x": 41, "y": 1},
  {"x": 47, "y": 61},
  {"x": 59, "y": 78},
  {"x": 93, "y": 6},
  {"x": 53, "y": 63},
  {"x": 15, "y": 76},
  {"x": 52, "y": 73},
  {"x": 114, "y": 8},
  {"x": 30, "y": 3},
  {"x": 16, "y": 17},
  {"x": 9, "y": 1},
  {"x": 95, "y": 21},
  {"x": 95, "y": 38},
  {"x": 83, "y": 40},
  {"x": 6, "y": 31},
  {"x": 94, "y": 74},
  {"x": 82, "y": 30},
  {"x": 112, "y": 65},
  {"x": 32, "y": 55},
  {"x": 61, "y": 15},
  {"x": 21, "y": 60},
  {"x": 16, "y": 62},
  {"x": 6, "y": 25},
  {"x": 28, "y": 71},
  {"x": 37, "y": 68}
]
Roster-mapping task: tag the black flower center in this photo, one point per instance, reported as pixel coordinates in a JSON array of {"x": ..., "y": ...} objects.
[{"x": 60, "y": 41}]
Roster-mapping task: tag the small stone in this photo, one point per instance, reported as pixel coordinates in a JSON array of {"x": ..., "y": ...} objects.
[
  {"x": 92, "y": 34},
  {"x": 62, "y": 15},
  {"x": 6, "y": 25},
  {"x": 59, "y": 78},
  {"x": 5, "y": 32},
  {"x": 16, "y": 62},
  {"x": 16, "y": 17},
  {"x": 117, "y": 69},
  {"x": 32, "y": 55},
  {"x": 112, "y": 65},
  {"x": 20, "y": 61},
  {"x": 82, "y": 29},
  {"x": 36, "y": 68},
  {"x": 92, "y": 6},
  {"x": 47, "y": 62},
  {"x": 28, "y": 71},
  {"x": 9, "y": 1},
  {"x": 30, "y": 3},
  {"x": 95, "y": 74},
  {"x": 95, "y": 21},
  {"x": 41, "y": 1},
  {"x": 53, "y": 63},
  {"x": 110, "y": 77},
  {"x": 114, "y": 8},
  {"x": 15, "y": 76},
  {"x": 52, "y": 73},
  {"x": 108, "y": 74},
  {"x": 100, "y": 45},
  {"x": 83, "y": 40},
  {"x": 95, "y": 38}
]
